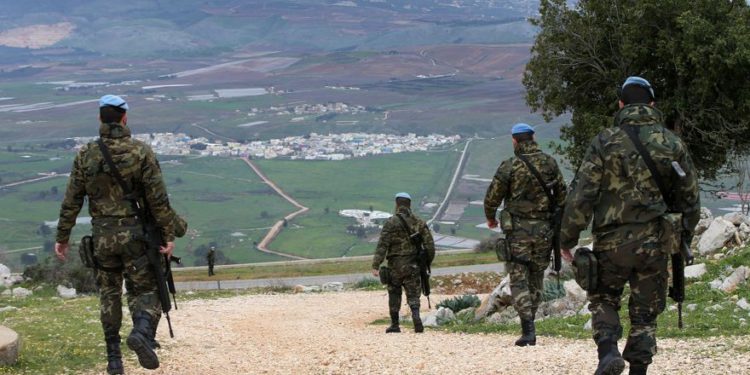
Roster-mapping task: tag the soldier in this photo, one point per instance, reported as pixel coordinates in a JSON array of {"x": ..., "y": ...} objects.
[
  {"x": 211, "y": 258},
  {"x": 615, "y": 186},
  {"x": 526, "y": 221},
  {"x": 395, "y": 246},
  {"x": 117, "y": 231}
]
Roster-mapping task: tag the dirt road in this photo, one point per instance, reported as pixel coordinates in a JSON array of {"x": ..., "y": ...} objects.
[{"x": 330, "y": 333}]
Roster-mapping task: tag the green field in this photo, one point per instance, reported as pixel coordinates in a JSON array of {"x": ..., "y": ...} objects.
[{"x": 353, "y": 184}]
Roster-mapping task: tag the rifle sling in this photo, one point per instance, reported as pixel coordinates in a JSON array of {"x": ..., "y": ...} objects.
[
  {"x": 127, "y": 193},
  {"x": 540, "y": 179},
  {"x": 405, "y": 225},
  {"x": 631, "y": 131}
]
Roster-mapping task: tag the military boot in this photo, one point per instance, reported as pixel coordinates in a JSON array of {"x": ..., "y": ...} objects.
[
  {"x": 528, "y": 336},
  {"x": 154, "y": 325},
  {"x": 638, "y": 369},
  {"x": 394, "y": 328},
  {"x": 418, "y": 327},
  {"x": 114, "y": 355},
  {"x": 140, "y": 338},
  {"x": 610, "y": 360}
]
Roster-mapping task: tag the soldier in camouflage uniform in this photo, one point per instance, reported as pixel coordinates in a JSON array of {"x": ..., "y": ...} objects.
[
  {"x": 211, "y": 258},
  {"x": 117, "y": 232},
  {"x": 394, "y": 245},
  {"x": 614, "y": 185},
  {"x": 527, "y": 216}
]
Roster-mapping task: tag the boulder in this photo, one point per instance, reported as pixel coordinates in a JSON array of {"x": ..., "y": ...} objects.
[
  {"x": 10, "y": 346},
  {"x": 430, "y": 320},
  {"x": 505, "y": 316},
  {"x": 737, "y": 218},
  {"x": 739, "y": 276},
  {"x": 695, "y": 271},
  {"x": 574, "y": 292},
  {"x": 8, "y": 308},
  {"x": 21, "y": 292},
  {"x": 66, "y": 293},
  {"x": 306, "y": 289},
  {"x": 334, "y": 286},
  {"x": 5, "y": 276},
  {"x": 498, "y": 299},
  {"x": 445, "y": 315},
  {"x": 706, "y": 213},
  {"x": 702, "y": 225},
  {"x": 744, "y": 230},
  {"x": 588, "y": 325},
  {"x": 717, "y": 234},
  {"x": 584, "y": 310}
]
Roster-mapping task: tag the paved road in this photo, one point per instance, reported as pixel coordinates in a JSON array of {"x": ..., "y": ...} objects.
[
  {"x": 319, "y": 280},
  {"x": 459, "y": 168}
]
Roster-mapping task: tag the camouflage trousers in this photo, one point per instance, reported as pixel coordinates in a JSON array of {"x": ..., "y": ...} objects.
[
  {"x": 642, "y": 264},
  {"x": 121, "y": 248},
  {"x": 403, "y": 275},
  {"x": 531, "y": 256}
]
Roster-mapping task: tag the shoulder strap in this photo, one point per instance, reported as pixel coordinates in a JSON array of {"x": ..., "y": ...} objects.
[
  {"x": 118, "y": 177},
  {"x": 539, "y": 178},
  {"x": 632, "y": 133},
  {"x": 405, "y": 225}
]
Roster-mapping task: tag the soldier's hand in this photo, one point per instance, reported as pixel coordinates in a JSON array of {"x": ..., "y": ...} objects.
[
  {"x": 167, "y": 250},
  {"x": 492, "y": 223},
  {"x": 567, "y": 255},
  {"x": 376, "y": 273},
  {"x": 61, "y": 249}
]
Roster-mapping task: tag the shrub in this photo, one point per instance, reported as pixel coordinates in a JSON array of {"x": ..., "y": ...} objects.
[
  {"x": 457, "y": 304},
  {"x": 71, "y": 273}
]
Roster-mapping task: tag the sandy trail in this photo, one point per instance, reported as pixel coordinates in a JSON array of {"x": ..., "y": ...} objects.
[{"x": 330, "y": 333}]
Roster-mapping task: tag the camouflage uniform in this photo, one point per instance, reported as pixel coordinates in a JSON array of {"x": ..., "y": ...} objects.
[
  {"x": 614, "y": 186},
  {"x": 394, "y": 245},
  {"x": 117, "y": 234},
  {"x": 531, "y": 237},
  {"x": 211, "y": 258}
]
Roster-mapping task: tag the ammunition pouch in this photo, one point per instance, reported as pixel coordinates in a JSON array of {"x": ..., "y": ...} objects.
[
  {"x": 506, "y": 221},
  {"x": 385, "y": 275},
  {"x": 586, "y": 269},
  {"x": 86, "y": 251},
  {"x": 502, "y": 250},
  {"x": 670, "y": 237}
]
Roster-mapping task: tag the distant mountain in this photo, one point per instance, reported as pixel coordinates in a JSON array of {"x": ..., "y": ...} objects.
[{"x": 173, "y": 28}]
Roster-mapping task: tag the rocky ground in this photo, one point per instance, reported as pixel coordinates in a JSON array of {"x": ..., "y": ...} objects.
[{"x": 331, "y": 333}]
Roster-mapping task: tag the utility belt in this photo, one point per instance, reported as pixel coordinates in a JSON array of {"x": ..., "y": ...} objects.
[
  {"x": 511, "y": 227},
  {"x": 86, "y": 252},
  {"x": 115, "y": 221}
]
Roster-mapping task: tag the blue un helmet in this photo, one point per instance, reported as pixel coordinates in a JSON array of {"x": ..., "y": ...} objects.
[
  {"x": 113, "y": 101},
  {"x": 635, "y": 80},
  {"x": 403, "y": 195},
  {"x": 521, "y": 128}
]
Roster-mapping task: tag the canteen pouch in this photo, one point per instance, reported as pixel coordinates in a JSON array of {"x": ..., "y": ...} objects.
[
  {"x": 506, "y": 221},
  {"x": 86, "y": 251},
  {"x": 502, "y": 250},
  {"x": 385, "y": 275},
  {"x": 586, "y": 269},
  {"x": 671, "y": 232}
]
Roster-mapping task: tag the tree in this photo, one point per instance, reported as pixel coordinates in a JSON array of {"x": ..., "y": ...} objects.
[{"x": 696, "y": 54}]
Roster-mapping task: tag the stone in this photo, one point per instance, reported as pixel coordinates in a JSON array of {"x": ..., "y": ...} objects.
[
  {"x": 66, "y": 293},
  {"x": 457, "y": 282},
  {"x": 10, "y": 346},
  {"x": 719, "y": 256},
  {"x": 715, "y": 307},
  {"x": 5, "y": 276},
  {"x": 692, "y": 307},
  {"x": 702, "y": 225},
  {"x": 466, "y": 314},
  {"x": 445, "y": 315},
  {"x": 737, "y": 218},
  {"x": 739, "y": 276},
  {"x": 21, "y": 292},
  {"x": 507, "y": 315},
  {"x": 8, "y": 308},
  {"x": 743, "y": 304},
  {"x": 306, "y": 289},
  {"x": 706, "y": 213},
  {"x": 695, "y": 271},
  {"x": 298, "y": 288},
  {"x": 430, "y": 320},
  {"x": 588, "y": 325},
  {"x": 574, "y": 291},
  {"x": 715, "y": 284},
  {"x": 584, "y": 310},
  {"x": 718, "y": 233},
  {"x": 495, "y": 301},
  {"x": 334, "y": 286}
]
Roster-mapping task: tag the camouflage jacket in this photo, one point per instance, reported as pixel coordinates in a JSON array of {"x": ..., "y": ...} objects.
[
  {"x": 211, "y": 256},
  {"x": 614, "y": 184},
  {"x": 515, "y": 184},
  {"x": 394, "y": 240},
  {"x": 91, "y": 176}
]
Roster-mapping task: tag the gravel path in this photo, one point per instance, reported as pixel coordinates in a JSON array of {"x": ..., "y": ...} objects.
[{"x": 330, "y": 333}]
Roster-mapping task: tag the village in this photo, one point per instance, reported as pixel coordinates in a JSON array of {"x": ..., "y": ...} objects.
[{"x": 310, "y": 147}]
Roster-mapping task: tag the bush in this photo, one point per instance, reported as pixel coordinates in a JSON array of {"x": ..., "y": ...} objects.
[
  {"x": 368, "y": 283},
  {"x": 457, "y": 304},
  {"x": 553, "y": 290},
  {"x": 72, "y": 273}
]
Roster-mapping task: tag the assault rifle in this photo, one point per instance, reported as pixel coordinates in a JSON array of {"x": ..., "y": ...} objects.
[
  {"x": 679, "y": 260},
  {"x": 423, "y": 260},
  {"x": 153, "y": 239}
]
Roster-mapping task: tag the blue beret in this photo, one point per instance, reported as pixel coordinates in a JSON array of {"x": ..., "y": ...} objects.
[
  {"x": 635, "y": 80},
  {"x": 521, "y": 128},
  {"x": 113, "y": 101},
  {"x": 403, "y": 195}
]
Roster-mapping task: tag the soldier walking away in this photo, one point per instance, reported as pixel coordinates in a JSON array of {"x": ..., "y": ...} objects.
[
  {"x": 211, "y": 258},
  {"x": 618, "y": 184},
  {"x": 526, "y": 220},
  {"x": 397, "y": 247},
  {"x": 118, "y": 234}
]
